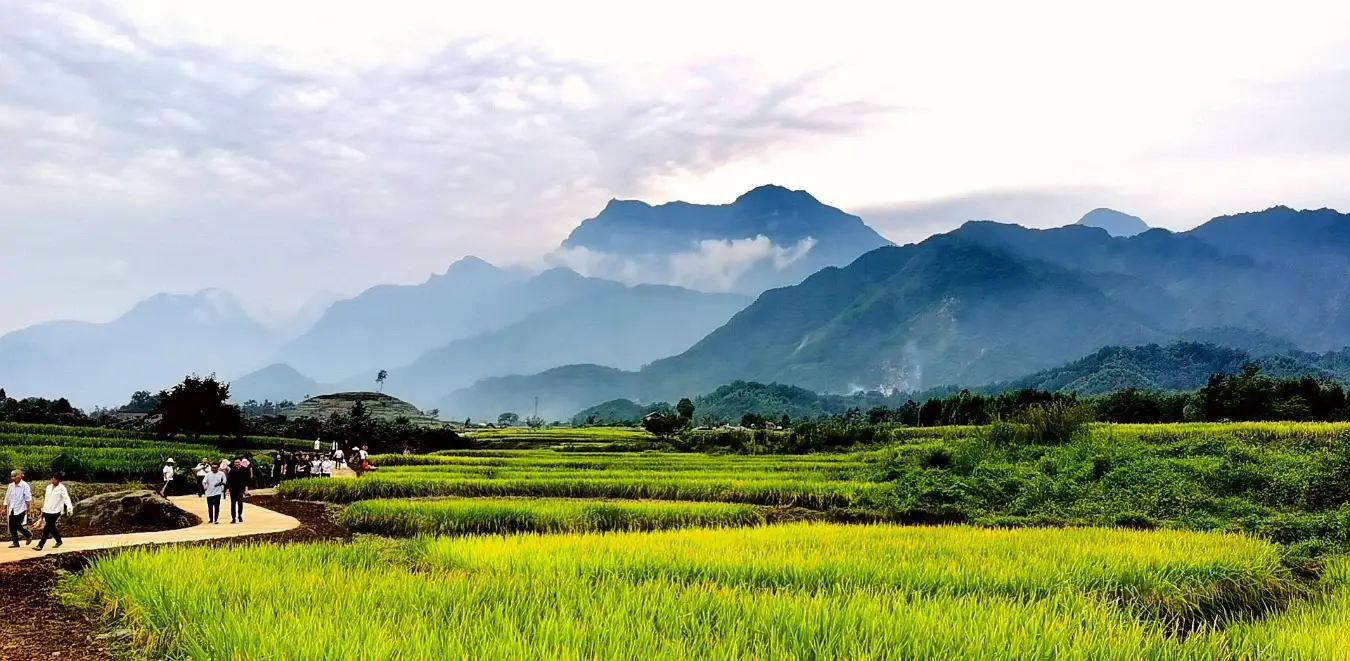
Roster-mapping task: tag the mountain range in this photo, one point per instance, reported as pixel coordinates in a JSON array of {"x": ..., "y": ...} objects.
[
  {"x": 991, "y": 302},
  {"x": 809, "y": 296}
]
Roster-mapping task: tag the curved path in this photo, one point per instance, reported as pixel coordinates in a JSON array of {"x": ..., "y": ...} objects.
[{"x": 256, "y": 521}]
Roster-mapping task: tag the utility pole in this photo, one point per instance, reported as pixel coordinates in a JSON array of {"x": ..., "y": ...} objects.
[{"x": 536, "y": 406}]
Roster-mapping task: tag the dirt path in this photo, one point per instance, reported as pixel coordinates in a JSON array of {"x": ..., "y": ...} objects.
[{"x": 257, "y": 521}]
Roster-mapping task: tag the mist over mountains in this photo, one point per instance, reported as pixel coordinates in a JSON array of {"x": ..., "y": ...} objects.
[
  {"x": 768, "y": 237},
  {"x": 779, "y": 288}
]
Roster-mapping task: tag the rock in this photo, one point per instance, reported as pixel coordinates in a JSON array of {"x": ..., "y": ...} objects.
[{"x": 131, "y": 508}]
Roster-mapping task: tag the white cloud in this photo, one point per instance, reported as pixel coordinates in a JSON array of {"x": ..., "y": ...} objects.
[
  {"x": 711, "y": 265},
  {"x": 282, "y": 147}
]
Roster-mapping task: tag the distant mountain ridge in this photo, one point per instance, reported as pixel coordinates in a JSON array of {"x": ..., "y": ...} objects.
[{"x": 153, "y": 345}]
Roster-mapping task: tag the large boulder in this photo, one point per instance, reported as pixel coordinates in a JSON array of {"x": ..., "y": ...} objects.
[{"x": 141, "y": 508}]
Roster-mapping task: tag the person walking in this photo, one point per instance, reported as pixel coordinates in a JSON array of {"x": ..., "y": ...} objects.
[
  {"x": 55, "y": 502},
  {"x": 168, "y": 477},
  {"x": 214, "y": 486},
  {"x": 18, "y": 497},
  {"x": 337, "y": 457},
  {"x": 237, "y": 484},
  {"x": 201, "y": 469}
]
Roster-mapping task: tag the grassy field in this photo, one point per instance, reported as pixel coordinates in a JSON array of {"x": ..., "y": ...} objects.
[
  {"x": 495, "y": 516},
  {"x": 109, "y": 455},
  {"x": 799, "y": 591},
  {"x": 1286, "y": 482}
]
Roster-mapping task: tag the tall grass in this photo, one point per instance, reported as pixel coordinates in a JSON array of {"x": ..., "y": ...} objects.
[
  {"x": 407, "y": 518},
  {"x": 794, "y": 592},
  {"x": 789, "y": 493}
]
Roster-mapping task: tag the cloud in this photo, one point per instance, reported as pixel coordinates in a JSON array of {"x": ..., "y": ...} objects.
[
  {"x": 712, "y": 265},
  {"x": 199, "y": 165}
]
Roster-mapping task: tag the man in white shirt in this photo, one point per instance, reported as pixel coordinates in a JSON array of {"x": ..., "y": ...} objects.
[
  {"x": 168, "y": 477},
  {"x": 213, "y": 485},
  {"x": 315, "y": 466},
  {"x": 337, "y": 457},
  {"x": 326, "y": 467},
  {"x": 55, "y": 502},
  {"x": 18, "y": 496}
]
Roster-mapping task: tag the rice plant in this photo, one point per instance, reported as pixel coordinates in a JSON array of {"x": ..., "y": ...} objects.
[{"x": 478, "y": 516}]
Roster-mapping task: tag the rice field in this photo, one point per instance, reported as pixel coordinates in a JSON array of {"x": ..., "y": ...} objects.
[
  {"x": 798, "y": 591},
  {"x": 109, "y": 455},
  {"x": 498, "y": 516}
]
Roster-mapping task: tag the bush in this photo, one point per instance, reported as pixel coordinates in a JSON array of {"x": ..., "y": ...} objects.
[{"x": 1056, "y": 422}]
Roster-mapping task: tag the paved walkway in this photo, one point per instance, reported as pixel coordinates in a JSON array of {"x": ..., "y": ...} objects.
[{"x": 256, "y": 521}]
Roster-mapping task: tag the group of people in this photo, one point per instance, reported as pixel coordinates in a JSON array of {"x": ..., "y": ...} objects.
[
  {"x": 217, "y": 478},
  {"x": 19, "y": 499},
  {"x": 320, "y": 463}
]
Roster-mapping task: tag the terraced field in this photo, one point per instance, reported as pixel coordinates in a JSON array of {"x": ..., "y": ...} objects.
[
  {"x": 551, "y": 553},
  {"x": 801, "y": 591}
]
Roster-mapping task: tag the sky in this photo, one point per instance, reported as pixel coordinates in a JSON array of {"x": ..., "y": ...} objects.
[{"x": 284, "y": 149}]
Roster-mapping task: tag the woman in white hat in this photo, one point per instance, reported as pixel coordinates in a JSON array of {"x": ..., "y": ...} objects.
[{"x": 168, "y": 477}]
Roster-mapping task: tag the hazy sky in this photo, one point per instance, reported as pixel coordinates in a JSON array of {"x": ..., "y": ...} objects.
[{"x": 278, "y": 148}]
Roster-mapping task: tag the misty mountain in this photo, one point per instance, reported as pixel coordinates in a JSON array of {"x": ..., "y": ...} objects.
[
  {"x": 277, "y": 383},
  {"x": 560, "y": 392},
  {"x": 624, "y": 328},
  {"x": 392, "y": 325},
  {"x": 1281, "y": 235},
  {"x": 152, "y": 346},
  {"x": 767, "y": 237},
  {"x": 1114, "y": 222},
  {"x": 985, "y": 303}
]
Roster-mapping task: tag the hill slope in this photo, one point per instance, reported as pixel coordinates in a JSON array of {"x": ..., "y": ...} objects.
[
  {"x": 624, "y": 328},
  {"x": 380, "y": 406}
]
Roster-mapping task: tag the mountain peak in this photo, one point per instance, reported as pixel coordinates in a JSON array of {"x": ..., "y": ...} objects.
[
  {"x": 774, "y": 195},
  {"x": 1116, "y": 223},
  {"x": 470, "y": 265}
]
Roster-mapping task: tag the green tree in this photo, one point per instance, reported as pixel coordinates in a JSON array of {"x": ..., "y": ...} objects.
[
  {"x": 686, "y": 410},
  {"x": 380, "y": 377},
  {"x": 534, "y": 422},
  {"x": 508, "y": 419},
  {"x": 198, "y": 406},
  {"x": 662, "y": 423}
]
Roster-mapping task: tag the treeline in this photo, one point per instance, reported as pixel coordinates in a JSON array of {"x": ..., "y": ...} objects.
[
  {"x": 1247, "y": 395},
  {"x": 198, "y": 407}
]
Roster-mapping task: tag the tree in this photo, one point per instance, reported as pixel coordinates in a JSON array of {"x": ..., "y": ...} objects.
[
  {"x": 508, "y": 419},
  {"x": 686, "y": 410},
  {"x": 379, "y": 378},
  {"x": 534, "y": 422},
  {"x": 662, "y": 423},
  {"x": 432, "y": 413},
  {"x": 198, "y": 406},
  {"x": 2, "y": 396},
  {"x": 142, "y": 401}
]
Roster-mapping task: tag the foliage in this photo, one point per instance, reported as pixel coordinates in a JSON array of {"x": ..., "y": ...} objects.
[
  {"x": 198, "y": 406},
  {"x": 662, "y": 424},
  {"x": 508, "y": 419}
]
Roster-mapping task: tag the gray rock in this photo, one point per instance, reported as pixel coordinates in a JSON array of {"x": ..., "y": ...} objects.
[{"x": 131, "y": 508}]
